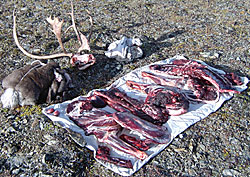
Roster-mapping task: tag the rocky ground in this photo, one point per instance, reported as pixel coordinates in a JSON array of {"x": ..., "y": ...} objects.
[{"x": 215, "y": 31}]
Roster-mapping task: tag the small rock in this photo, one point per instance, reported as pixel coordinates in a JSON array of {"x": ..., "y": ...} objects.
[
  {"x": 216, "y": 55},
  {"x": 48, "y": 158},
  {"x": 180, "y": 150},
  {"x": 205, "y": 54},
  {"x": 24, "y": 9},
  {"x": 156, "y": 163},
  {"x": 211, "y": 55},
  {"x": 48, "y": 137},
  {"x": 41, "y": 126},
  {"x": 238, "y": 58},
  {"x": 10, "y": 129},
  {"x": 230, "y": 172},
  {"x": 25, "y": 121},
  {"x": 202, "y": 147},
  {"x": 52, "y": 142},
  {"x": 15, "y": 162},
  {"x": 16, "y": 171},
  {"x": 11, "y": 117},
  {"x": 180, "y": 136},
  {"x": 119, "y": 67},
  {"x": 36, "y": 51}
]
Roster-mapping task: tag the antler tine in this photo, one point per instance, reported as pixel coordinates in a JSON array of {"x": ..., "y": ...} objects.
[
  {"x": 91, "y": 25},
  {"x": 31, "y": 55},
  {"x": 73, "y": 23},
  {"x": 84, "y": 45},
  {"x": 57, "y": 27}
]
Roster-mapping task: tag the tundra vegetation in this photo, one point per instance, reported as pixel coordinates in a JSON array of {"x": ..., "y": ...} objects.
[{"x": 215, "y": 31}]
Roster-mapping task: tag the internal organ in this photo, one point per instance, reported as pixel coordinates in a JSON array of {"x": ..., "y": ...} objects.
[{"x": 205, "y": 83}]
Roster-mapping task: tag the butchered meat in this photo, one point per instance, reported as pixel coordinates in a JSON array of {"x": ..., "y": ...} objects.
[{"x": 157, "y": 133}]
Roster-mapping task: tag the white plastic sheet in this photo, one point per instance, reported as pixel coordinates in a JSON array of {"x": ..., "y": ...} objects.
[
  {"x": 176, "y": 124},
  {"x": 125, "y": 49}
]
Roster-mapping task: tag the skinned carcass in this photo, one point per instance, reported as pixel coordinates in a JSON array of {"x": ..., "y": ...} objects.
[{"x": 35, "y": 83}]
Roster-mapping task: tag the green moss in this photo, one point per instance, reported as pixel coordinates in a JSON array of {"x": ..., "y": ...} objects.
[
  {"x": 131, "y": 67},
  {"x": 48, "y": 126},
  {"x": 29, "y": 110},
  {"x": 83, "y": 92}
]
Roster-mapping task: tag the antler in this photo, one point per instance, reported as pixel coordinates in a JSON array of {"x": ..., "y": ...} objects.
[
  {"x": 31, "y": 55},
  {"x": 56, "y": 29}
]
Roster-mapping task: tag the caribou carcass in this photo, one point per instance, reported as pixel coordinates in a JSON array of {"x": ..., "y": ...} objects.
[
  {"x": 39, "y": 82},
  {"x": 35, "y": 83}
]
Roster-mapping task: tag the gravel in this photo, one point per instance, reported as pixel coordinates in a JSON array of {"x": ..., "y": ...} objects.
[{"x": 215, "y": 31}]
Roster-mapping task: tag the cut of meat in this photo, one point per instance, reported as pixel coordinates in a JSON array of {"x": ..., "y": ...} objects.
[
  {"x": 169, "y": 99},
  {"x": 111, "y": 99},
  {"x": 112, "y": 140},
  {"x": 194, "y": 69},
  {"x": 101, "y": 124},
  {"x": 103, "y": 153},
  {"x": 77, "y": 107},
  {"x": 121, "y": 102},
  {"x": 142, "y": 145},
  {"x": 165, "y": 100},
  {"x": 193, "y": 88},
  {"x": 141, "y": 109},
  {"x": 159, "y": 134}
]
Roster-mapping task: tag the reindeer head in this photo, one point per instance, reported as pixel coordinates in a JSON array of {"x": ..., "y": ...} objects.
[{"x": 82, "y": 61}]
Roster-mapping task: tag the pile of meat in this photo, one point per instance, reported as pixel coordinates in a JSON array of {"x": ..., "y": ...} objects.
[{"x": 173, "y": 87}]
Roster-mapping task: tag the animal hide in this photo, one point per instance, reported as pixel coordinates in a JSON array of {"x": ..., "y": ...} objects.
[{"x": 33, "y": 84}]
